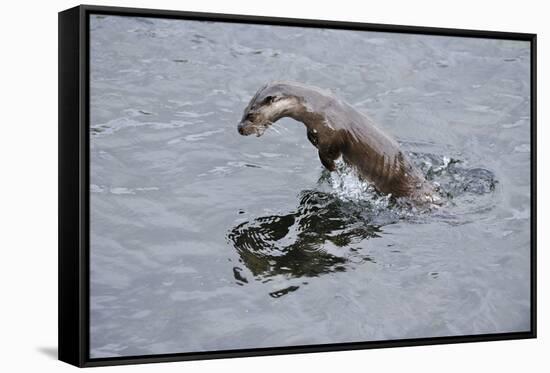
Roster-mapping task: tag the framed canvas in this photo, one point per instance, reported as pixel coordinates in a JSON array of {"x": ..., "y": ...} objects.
[{"x": 237, "y": 185}]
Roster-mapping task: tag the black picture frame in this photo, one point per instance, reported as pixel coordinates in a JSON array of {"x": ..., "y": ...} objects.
[{"x": 74, "y": 175}]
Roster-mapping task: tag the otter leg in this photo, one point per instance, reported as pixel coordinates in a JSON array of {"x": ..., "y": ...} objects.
[{"x": 327, "y": 159}]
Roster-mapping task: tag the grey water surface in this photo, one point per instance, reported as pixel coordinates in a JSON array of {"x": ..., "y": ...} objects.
[{"x": 202, "y": 239}]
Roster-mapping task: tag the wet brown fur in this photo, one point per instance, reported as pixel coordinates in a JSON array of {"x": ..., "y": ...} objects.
[{"x": 336, "y": 129}]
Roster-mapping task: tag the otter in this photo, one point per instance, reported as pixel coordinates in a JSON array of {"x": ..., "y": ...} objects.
[{"x": 337, "y": 130}]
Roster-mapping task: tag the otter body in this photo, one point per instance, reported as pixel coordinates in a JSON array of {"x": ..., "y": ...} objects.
[{"x": 336, "y": 129}]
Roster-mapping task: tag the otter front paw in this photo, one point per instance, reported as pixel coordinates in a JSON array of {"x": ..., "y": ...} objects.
[{"x": 327, "y": 161}]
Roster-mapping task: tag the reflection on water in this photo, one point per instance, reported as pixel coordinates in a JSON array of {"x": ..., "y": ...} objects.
[
  {"x": 319, "y": 237},
  {"x": 327, "y": 232}
]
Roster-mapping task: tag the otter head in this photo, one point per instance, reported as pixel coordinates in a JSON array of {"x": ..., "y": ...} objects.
[{"x": 268, "y": 106}]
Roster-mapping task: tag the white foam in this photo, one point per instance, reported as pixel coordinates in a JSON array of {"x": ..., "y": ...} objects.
[
  {"x": 349, "y": 186},
  {"x": 346, "y": 184}
]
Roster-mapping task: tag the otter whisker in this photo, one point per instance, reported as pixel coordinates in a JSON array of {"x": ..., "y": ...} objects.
[
  {"x": 282, "y": 128},
  {"x": 276, "y": 130}
]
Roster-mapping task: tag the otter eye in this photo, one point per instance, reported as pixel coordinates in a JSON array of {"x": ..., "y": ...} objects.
[{"x": 269, "y": 99}]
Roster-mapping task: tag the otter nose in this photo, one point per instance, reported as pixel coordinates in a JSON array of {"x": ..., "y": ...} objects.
[{"x": 240, "y": 128}]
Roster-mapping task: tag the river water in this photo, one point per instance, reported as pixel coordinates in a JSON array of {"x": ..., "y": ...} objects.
[{"x": 202, "y": 239}]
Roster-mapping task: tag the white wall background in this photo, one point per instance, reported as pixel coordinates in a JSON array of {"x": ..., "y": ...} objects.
[{"x": 28, "y": 186}]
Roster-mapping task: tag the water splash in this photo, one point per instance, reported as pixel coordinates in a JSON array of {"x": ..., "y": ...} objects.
[
  {"x": 347, "y": 185},
  {"x": 456, "y": 183},
  {"x": 465, "y": 190}
]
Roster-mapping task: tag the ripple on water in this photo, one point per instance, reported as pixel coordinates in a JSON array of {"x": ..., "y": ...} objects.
[
  {"x": 94, "y": 188},
  {"x": 328, "y": 230},
  {"x": 112, "y": 126},
  {"x": 202, "y": 135}
]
